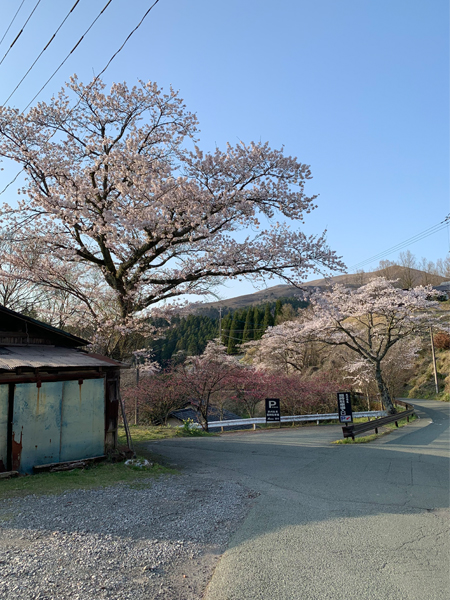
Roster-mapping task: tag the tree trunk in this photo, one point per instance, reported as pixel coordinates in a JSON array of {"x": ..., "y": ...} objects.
[
  {"x": 384, "y": 392},
  {"x": 204, "y": 414}
]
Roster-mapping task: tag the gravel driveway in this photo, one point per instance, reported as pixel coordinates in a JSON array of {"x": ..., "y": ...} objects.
[{"x": 155, "y": 539}]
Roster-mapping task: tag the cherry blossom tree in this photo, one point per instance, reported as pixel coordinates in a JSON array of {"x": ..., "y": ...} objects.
[
  {"x": 120, "y": 208},
  {"x": 251, "y": 387},
  {"x": 369, "y": 321},
  {"x": 211, "y": 374},
  {"x": 300, "y": 396},
  {"x": 397, "y": 366},
  {"x": 155, "y": 397}
]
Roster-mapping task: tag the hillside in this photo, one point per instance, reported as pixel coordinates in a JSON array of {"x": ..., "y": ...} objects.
[{"x": 406, "y": 278}]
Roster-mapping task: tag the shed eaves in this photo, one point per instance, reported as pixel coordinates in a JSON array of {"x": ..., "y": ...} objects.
[
  {"x": 13, "y": 357},
  {"x": 9, "y": 318}
]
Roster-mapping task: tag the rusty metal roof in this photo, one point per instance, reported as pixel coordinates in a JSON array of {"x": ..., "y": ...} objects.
[{"x": 13, "y": 357}]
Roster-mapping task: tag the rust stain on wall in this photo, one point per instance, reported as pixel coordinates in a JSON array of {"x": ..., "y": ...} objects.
[{"x": 16, "y": 451}]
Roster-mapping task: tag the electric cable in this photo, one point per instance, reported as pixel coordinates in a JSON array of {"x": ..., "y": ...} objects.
[
  {"x": 67, "y": 57},
  {"x": 42, "y": 51},
  {"x": 12, "y": 21},
  {"x": 21, "y": 31},
  {"x": 419, "y": 236},
  {"x": 126, "y": 40},
  {"x": 96, "y": 78}
]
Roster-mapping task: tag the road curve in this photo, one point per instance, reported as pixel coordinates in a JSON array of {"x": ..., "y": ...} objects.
[{"x": 366, "y": 521}]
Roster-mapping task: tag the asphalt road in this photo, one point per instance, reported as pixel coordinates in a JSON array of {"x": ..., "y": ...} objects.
[{"x": 366, "y": 521}]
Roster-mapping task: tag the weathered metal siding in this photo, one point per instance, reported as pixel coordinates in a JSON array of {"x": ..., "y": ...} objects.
[
  {"x": 4, "y": 395},
  {"x": 56, "y": 422},
  {"x": 36, "y": 425},
  {"x": 83, "y": 419}
]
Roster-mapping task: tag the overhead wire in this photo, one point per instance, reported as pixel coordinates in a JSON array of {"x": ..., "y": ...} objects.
[
  {"x": 67, "y": 57},
  {"x": 126, "y": 39},
  {"x": 42, "y": 51},
  {"x": 97, "y": 77},
  {"x": 54, "y": 73},
  {"x": 12, "y": 21},
  {"x": 21, "y": 31},
  {"x": 419, "y": 236}
]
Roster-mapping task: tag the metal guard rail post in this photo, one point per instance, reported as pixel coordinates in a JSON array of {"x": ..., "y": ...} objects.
[{"x": 352, "y": 430}]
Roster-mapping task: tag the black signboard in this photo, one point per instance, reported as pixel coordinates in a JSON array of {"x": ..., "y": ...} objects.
[
  {"x": 345, "y": 407},
  {"x": 273, "y": 414}
]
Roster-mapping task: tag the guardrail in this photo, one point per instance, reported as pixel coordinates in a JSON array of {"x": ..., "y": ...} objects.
[
  {"x": 352, "y": 430},
  {"x": 290, "y": 419}
]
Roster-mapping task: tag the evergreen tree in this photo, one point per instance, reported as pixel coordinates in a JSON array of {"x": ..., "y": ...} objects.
[
  {"x": 234, "y": 333},
  {"x": 226, "y": 324},
  {"x": 278, "y": 306},
  {"x": 268, "y": 318},
  {"x": 248, "y": 333},
  {"x": 258, "y": 321}
]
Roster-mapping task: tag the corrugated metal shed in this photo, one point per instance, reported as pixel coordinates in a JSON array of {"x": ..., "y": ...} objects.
[
  {"x": 38, "y": 357},
  {"x": 57, "y": 402}
]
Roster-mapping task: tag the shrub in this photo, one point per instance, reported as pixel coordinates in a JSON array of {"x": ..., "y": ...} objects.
[{"x": 442, "y": 340}]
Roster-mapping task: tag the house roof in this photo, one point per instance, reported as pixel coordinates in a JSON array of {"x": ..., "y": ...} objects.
[
  {"x": 37, "y": 357},
  {"x": 11, "y": 321},
  {"x": 443, "y": 287}
]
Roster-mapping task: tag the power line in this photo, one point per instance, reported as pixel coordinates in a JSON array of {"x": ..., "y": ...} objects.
[
  {"x": 21, "y": 31},
  {"x": 42, "y": 51},
  {"x": 12, "y": 21},
  {"x": 126, "y": 39},
  {"x": 71, "y": 52},
  {"x": 419, "y": 236},
  {"x": 96, "y": 78}
]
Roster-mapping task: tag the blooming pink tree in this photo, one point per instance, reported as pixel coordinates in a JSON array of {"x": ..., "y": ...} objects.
[
  {"x": 251, "y": 387},
  {"x": 299, "y": 396},
  {"x": 155, "y": 397},
  {"x": 397, "y": 367},
  {"x": 120, "y": 208},
  {"x": 369, "y": 321},
  {"x": 213, "y": 374}
]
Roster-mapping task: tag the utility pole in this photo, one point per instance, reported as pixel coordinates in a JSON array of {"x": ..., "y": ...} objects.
[
  {"x": 434, "y": 361},
  {"x": 220, "y": 324}
]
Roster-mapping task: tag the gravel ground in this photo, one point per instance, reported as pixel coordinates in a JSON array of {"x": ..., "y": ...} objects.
[{"x": 156, "y": 539}]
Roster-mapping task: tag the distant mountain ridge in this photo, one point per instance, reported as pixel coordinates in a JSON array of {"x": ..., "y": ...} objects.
[{"x": 405, "y": 275}]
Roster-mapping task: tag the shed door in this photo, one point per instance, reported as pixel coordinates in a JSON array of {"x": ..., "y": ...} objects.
[
  {"x": 36, "y": 425},
  {"x": 83, "y": 419},
  {"x": 4, "y": 393}
]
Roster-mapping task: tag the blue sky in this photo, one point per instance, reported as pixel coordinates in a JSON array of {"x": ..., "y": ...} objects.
[{"x": 358, "y": 89}]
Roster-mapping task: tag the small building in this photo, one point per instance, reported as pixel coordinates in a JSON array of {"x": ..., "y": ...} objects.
[
  {"x": 443, "y": 289},
  {"x": 58, "y": 403}
]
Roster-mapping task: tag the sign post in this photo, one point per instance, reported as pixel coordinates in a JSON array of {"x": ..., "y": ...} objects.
[
  {"x": 273, "y": 413},
  {"x": 345, "y": 407}
]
